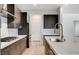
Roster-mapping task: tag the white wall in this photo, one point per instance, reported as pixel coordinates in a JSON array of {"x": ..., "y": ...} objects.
[
  {"x": 68, "y": 24},
  {"x": 69, "y": 14},
  {"x": 71, "y": 8}
]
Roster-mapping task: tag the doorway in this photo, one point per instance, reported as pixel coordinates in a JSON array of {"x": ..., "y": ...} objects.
[{"x": 35, "y": 27}]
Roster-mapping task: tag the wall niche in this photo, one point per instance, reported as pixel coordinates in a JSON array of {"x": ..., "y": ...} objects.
[{"x": 50, "y": 21}]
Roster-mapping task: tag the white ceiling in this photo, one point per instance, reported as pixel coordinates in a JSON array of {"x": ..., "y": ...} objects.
[
  {"x": 69, "y": 8},
  {"x": 37, "y": 7}
]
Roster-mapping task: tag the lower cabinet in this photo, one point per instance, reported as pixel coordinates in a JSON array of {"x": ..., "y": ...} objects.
[
  {"x": 16, "y": 48},
  {"x": 48, "y": 50}
]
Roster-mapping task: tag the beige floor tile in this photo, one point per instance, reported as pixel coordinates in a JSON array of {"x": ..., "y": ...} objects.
[{"x": 36, "y": 48}]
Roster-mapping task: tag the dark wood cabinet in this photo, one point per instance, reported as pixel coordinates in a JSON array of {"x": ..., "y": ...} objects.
[
  {"x": 23, "y": 18},
  {"x": 48, "y": 50},
  {"x": 10, "y": 19},
  {"x": 16, "y": 48},
  {"x": 10, "y": 8},
  {"x": 50, "y": 21},
  {"x": 24, "y": 30}
]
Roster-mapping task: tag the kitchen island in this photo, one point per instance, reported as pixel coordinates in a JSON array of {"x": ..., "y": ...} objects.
[
  {"x": 68, "y": 47},
  {"x": 14, "y": 47}
]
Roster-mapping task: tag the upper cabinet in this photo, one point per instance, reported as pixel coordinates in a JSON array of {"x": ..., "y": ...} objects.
[
  {"x": 11, "y": 8},
  {"x": 24, "y": 26},
  {"x": 10, "y": 19},
  {"x": 23, "y": 18},
  {"x": 50, "y": 21}
]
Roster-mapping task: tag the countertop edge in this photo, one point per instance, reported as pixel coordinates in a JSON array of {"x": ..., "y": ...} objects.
[
  {"x": 51, "y": 46},
  {"x": 9, "y": 43}
]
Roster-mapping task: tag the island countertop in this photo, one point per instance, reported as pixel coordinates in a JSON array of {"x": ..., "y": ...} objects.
[
  {"x": 69, "y": 47},
  {"x": 5, "y": 44}
]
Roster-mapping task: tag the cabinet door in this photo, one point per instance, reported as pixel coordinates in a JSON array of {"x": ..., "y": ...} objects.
[
  {"x": 46, "y": 47},
  {"x": 50, "y": 52},
  {"x": 16, "y": 48},
  {"x": 20, "y": 46},
  {"x": 23, "y": 18},
  {"x": 11, "y": 9},
  {"x": 23, "y": 44},
  {"x": 5, "y": 51},
  {"x": 10, "y": 50}
]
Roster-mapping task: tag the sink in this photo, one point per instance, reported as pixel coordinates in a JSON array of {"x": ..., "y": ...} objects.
[
  {"x": 56, "y": 40},
  {"x": 8, "y": 39}
]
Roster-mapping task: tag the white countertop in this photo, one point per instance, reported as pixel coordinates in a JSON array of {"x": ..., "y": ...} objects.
[
  {"x": 69, "y": 47},
  {"x": 5, "y": 44}
]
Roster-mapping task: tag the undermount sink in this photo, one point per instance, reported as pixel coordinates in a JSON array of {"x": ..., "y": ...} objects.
[
  {"x": 7, "y": 39},
  {"x": 56, "y": 40}
]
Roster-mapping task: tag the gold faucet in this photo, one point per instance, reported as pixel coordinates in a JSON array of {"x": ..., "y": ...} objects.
[{"x": 61, "y": 31}]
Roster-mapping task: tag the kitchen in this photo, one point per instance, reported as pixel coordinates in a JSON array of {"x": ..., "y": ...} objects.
[{"x": 51, "y": 28}]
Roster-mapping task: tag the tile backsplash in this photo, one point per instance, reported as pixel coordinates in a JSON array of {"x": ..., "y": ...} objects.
[
  {"x": 13, "y": 32},
  {"x": 5, "y": 31},
  {"x": 50, "y": 32}
]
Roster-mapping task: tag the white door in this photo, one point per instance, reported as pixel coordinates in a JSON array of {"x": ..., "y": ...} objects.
[{"x": 36, "y": 27}]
